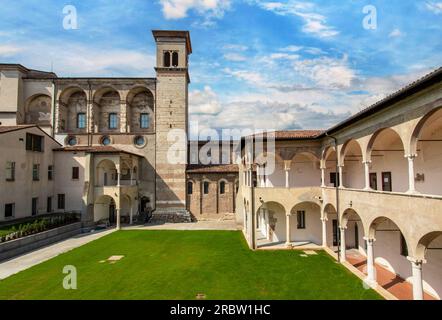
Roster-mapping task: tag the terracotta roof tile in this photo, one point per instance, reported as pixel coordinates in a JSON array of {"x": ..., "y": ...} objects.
[
  {"x": 222, "y": 168},
  {"x": 293, "y": 134},
  {"x": 4, "y": 129},
  {"x": 93, "y": 149}
]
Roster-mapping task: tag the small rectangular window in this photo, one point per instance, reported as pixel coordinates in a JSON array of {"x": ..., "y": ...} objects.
[
  {"x": 81, "y": 121},
  {"x": 36, "y": 172},
  {"x": 206, "y": 187},
  {"x": 75, "y": 173},
  {"x": 113, "y": 121},
  {"x": 144, "y": 121},
  {"x": 10, "y": 171},
  {"x": 50, "y": 173},
  {"x": 34, "y": 142},
  {"x": 9, "y": 210},
  {"x": 301, "y": 219},
  {"x": 61, "y": 201}
]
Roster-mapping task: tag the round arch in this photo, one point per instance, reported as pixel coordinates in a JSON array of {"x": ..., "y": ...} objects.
[
  {"x": 106, "y": 173},
  {"x": 105, "y": 209},
  {"x": 38, "y": 109},
  {"x": 424, "y": 243},
  {"x": 388, "y": 133},
  {"x": 102, "y": 91},
  {"x": 429, "y": 118},
  {"x": 272, "y": 221},
  {"x": 66, "y": 93}
]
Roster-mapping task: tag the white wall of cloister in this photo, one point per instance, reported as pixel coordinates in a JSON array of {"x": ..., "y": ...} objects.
[{"x": 390, "y": 186}]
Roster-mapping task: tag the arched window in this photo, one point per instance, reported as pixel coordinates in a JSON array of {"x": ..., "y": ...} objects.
[
  {"x": 175, "y": 59},
  {"x": 222, "y": 187},
  {"x": 189, "y": 187},
  {"x": 206, "y": 187},
  {"x": 167, "y": 59}
]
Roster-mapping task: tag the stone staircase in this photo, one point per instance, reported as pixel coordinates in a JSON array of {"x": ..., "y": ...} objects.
[{"x": 171, "y": 216}]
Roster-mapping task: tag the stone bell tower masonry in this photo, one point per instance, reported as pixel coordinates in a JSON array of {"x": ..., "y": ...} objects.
[{"x": 173, "y": 50}]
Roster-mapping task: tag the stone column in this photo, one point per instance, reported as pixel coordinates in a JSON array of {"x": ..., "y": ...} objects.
[
  {"x": 287, "y": 173},
  {"x": 418, "y": 286},
  {"x": 371, "y": 269},
  {"x": 341, "y": 180},
  {"x": 323, "y": 185},
  {"x": 132, "y": 213},
  {"x": 118, "y": 218},
  {"x": 367, "y": 174},
  {"x": 118, "y": 178},
  {"x": 343, "y": 248},
  {"x": 324, "y": 232},
  {"x": 288, "y": 230},
  {"x": 411, "y": 185}
]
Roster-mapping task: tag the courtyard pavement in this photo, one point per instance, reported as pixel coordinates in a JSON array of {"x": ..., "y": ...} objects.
[
  {"x": 28, "y": 260},
  {"x": 394, "y": 284}
]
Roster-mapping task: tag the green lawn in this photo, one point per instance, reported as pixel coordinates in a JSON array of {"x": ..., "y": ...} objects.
[{"x": 181, "y": 264}]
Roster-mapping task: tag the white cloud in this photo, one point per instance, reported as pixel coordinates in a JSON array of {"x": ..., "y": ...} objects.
[
  {"x": 278, "y": 56},
  {"x": 210, "y": 9},
  {"x": 7, "y": 50},
  {"x": 327, "y": 72},
  {"x": 204, "y": 101},
  {"x": 291, "y": 49},
  {"x": 236, "y": 57},
  {"x": 314, "y": 23},
  {"x": 395, "y": 33},
  {"x": 75, "y": 59},
  {"x": 235, "y": 47},
  {"x": 435, "y": 7},
  {"x": 252, "y": 77}
]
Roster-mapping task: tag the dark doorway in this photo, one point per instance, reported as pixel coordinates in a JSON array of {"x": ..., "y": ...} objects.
[
  {"x": 387, "y": 184},
  {"x": 374, "y": 181},
  {"x": 34, "y": 206},
  {"x": 145, "y": 204},
  {"x": 112, "y": 211}
]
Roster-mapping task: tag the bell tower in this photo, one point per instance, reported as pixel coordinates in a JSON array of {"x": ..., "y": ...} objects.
[{"x": 173, "y": 50}]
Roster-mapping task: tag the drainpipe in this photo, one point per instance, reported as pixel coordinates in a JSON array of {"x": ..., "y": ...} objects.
[
  {"x": 337, "y": 183},
  {"x": 88, "y": 112},
  {"x": 54, "y": 100}
]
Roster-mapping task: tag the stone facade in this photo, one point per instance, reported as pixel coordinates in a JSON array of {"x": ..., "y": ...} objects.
[
  {"x": 217, "y": 203},
  {"x": 132, "y": 115}
]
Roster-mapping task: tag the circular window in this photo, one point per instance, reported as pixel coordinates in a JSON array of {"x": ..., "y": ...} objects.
[
  {"x": 71, "y": 141},
  {"x": 139, "y": 141},
  {"x": 105, "y": 141}
]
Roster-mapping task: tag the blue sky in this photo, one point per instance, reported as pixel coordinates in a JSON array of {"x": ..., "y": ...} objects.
[{"x": 256, "y": 63}]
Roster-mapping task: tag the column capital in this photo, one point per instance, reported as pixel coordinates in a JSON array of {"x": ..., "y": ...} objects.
[
  {"x": 410, "y": 157},
  {"x": 367, "y": 162},
  {"x": 324, "y": 219},
  {"x": 342, "y": 228},
  {"x": 416, "y": 262},
  {"x": 369, "y": 240},
  {"x": 288, "y": 215},
  {"x": 287, "y": 165}
]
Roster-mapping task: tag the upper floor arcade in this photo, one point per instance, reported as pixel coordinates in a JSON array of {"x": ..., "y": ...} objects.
[
  {"x": 105, "y": 106},
  {"x": 394, "y": 146}
]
